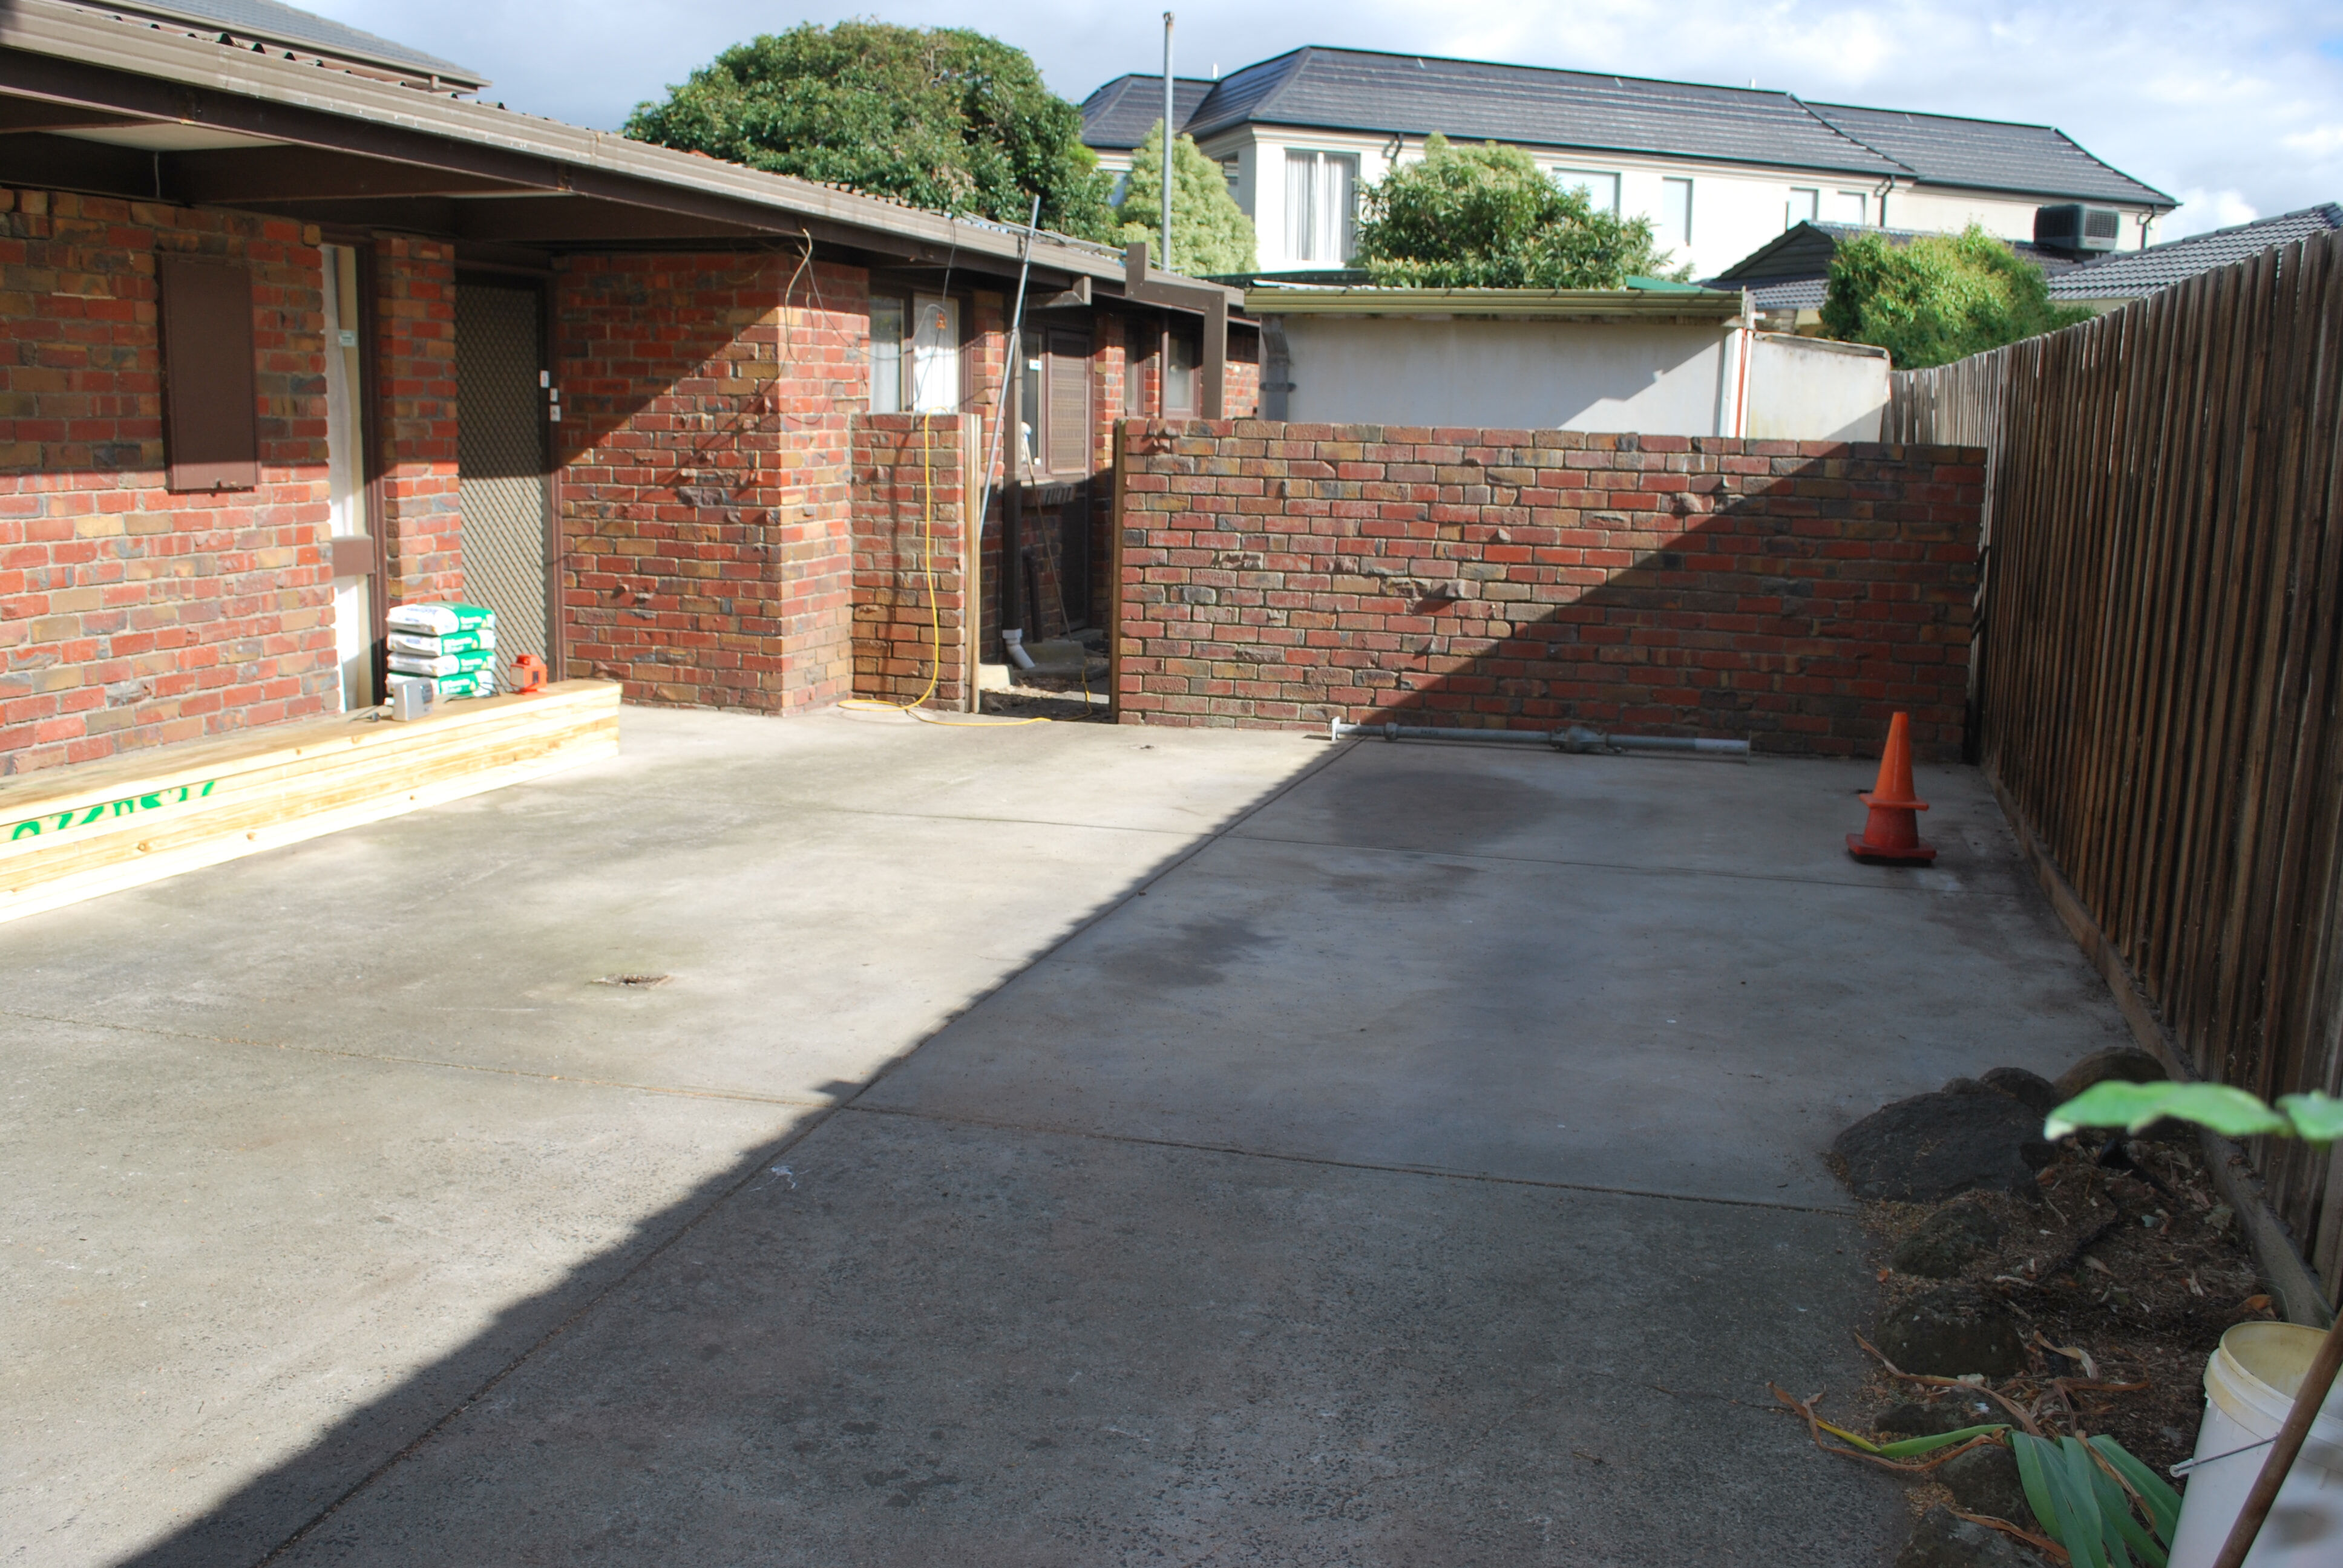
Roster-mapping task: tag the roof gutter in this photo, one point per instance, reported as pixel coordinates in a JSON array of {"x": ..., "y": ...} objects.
[{"x": 1702, "y": 305}]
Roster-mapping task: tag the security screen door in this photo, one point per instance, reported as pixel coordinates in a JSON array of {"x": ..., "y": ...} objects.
[{"x": 501, "y": 461}]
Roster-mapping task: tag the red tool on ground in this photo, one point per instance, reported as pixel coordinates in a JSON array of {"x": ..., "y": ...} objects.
[
  {"x": 529, "y": 674},
  {"x": 1892, "y": 832}
]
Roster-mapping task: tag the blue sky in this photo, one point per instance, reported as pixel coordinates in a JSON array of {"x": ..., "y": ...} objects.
[{"x": 2236, "y": 108}]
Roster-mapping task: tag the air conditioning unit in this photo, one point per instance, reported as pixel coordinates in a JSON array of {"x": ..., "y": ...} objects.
[{"x": 2071, "y": 226}]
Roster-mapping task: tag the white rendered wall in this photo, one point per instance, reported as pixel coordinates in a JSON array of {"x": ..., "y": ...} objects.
[
  {"x": 1661, "y": 378},
  {"x": 1735, "y": 208},
  {"x": 1807, "y": 390}
]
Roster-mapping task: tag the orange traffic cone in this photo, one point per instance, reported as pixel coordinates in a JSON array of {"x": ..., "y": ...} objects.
[{"x": 1892, "y": 832}]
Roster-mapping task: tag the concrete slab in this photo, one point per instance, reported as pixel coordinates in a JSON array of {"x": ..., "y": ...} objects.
[
  {"x": 947, "y": 1344},
  {"x": 1651, "y": 976},
  {"x": 1422, "y": 1169},
  {"x": 386, "y": 1130}
]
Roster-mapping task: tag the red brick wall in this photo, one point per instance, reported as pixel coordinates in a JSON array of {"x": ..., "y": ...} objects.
[
  {"x": 415, "y": 304},
  {"x": 1793, "y": 593},
  {"x": 910, "y": 577},
  {"x": 130, "y": 616},
  {"x": 705, "y": 474}
]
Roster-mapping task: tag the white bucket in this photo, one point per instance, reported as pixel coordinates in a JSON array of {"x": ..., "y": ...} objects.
[{"x": 2249, "y": 1385}]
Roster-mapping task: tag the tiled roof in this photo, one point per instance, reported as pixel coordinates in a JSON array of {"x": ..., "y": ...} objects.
[
  {"x": 2128, "y": 274},
  {"x": 1118, "y": 117},
  {"x": 1803, "y": 253},
  {"x": 1468, "y": 100},
  {"x": 1990, "y": 155},
  {"x": 1471, "y": 100},
  {"x": 266, "y": 21}
]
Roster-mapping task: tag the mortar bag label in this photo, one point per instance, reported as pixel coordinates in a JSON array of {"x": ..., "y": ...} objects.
[
  {"x": 445, "y": 687},
  {"x": 482, "y": 641},
  {"x": 439, "y": 620},
  {"x": 445, "y": 664}
]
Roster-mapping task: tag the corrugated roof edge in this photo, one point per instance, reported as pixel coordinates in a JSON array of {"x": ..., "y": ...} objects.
[
  {"x": 393, "y": 57},
  {"x": 1675, "y": 301},
  {"x": 110, "y": 42}
]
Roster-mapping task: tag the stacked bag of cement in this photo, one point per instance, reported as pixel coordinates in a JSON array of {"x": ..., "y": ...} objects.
[{"x": 451, "y": 646}]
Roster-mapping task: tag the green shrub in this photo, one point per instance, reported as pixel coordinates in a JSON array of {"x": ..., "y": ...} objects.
[
  {"x": 1489, "y": 217},
  {"x": 1938, "y": 298},
  {"x": 942, "y": 118},
  {"x": 1209, "y": 233}
]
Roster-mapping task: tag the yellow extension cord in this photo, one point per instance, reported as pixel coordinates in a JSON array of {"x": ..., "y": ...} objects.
[{"x": 935, "y": 611}]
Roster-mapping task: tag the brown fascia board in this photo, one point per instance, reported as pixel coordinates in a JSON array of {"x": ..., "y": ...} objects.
[{"x": 79, "y": 59}]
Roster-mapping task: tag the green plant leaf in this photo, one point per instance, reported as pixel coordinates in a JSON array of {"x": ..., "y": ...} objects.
[
  {"x": 1913, "y": 1447},
  {"x": 2120, "y": 1528},
  {"x": 2156, "y": 1493},
  {"x": 2316, "y": 1117},
  {"x": 2081, "y": 1531},
  {"x": 2232, "y": 1112},
  {"x": 2029, "y": 1451}
]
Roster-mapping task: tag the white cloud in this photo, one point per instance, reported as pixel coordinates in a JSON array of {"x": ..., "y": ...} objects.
[
  {"x": 2236, "y": 99},
  {"x": 2200, "y": 210}
]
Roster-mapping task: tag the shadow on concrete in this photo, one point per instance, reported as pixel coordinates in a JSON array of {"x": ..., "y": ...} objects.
[{"x": 272, "y": 1515}]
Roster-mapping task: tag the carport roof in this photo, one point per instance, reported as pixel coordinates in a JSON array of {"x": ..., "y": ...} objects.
[
  {"x": 264, "y": 22},
  {"x": 117, "y": 104}
]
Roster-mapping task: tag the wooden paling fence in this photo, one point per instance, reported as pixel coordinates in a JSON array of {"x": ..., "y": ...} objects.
[{"x": 2159, "y": 678}]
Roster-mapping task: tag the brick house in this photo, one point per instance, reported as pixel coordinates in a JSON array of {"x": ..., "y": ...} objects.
[{"x": 297, "y": 328}]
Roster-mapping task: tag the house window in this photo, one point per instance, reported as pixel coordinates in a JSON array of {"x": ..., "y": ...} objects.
[
  {"x": 1805, "y": 206},
  {"x": 1320, "y": 197},
  {"x": 1135, "y": 355},
  {"x": 210, "y": 416},
  {"x": 914, "y": 354},
  {"x": 1230, "y": 168},
  {"x": 1053, "y": 436},
  {"x": 934, "y": 355},
  {"x": 1179, "y": 357},
  {"x": 1602, "y": 189},
  {"x": 1847, "y": 207},
  {"x": 1672, "y": 225},
  {"x": 1121, "y": 187},
  {"x": 886, "y": 355}
]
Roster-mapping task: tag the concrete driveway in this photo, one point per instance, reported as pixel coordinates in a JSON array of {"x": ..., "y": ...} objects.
[{"x": 1057, "y": 1145}]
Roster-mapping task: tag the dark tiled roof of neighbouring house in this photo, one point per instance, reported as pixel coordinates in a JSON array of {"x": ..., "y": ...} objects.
[
  {"x": 2128, "y": 274},
  {"x": 264, "y": 21},
  {"x": 1990, "y": 155},
  {"x": 1118, "y": 117},
  {"x": 1471, "y": 100},
  {"x": 1803, "y": 255}
]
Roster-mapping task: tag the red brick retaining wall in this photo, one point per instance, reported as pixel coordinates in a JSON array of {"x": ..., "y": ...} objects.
[
  {"x": 912, "y": 474},
  {"x": 1794, "y": 593}
]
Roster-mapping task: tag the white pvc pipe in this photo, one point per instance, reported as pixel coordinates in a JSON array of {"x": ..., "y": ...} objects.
[
  {"x": 1574, "y": 738},
  {"x": 1012, "y": 643}
]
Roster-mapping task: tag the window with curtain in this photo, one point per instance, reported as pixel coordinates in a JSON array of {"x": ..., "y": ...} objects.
[
  {"x": 1671, "y": 225},
  {"x": 1320, "y": 197},
  {"x": 1602, "y": 189},
  {"x": 1180, "y": 355},
  {"x": 886, "y": 354},
  {"x": 935, "y": 354},
  {"x": 1847, "y": 207}
]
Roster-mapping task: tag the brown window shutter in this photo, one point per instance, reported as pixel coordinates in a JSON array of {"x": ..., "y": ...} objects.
[
  {"x": 210, "y": 426},
  {"x": 1069, "y": 405}
]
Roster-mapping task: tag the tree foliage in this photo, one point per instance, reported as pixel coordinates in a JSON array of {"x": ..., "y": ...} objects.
[
  {"x": 1209, "y": 233},
  {"x": 1489, "y": 217},
  {"x": 1942, "y": 297},
  {"x": 942, "y": 118}
]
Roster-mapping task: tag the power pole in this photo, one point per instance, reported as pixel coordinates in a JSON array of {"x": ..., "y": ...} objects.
[{"x": 1168, "y": 129}]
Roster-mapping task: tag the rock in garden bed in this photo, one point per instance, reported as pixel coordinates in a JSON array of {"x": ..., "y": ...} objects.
[{"x": 1962, "y": 1138}]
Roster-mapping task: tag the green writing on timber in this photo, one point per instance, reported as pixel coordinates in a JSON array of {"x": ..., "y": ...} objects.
[{"x": 128, "y": 806}]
